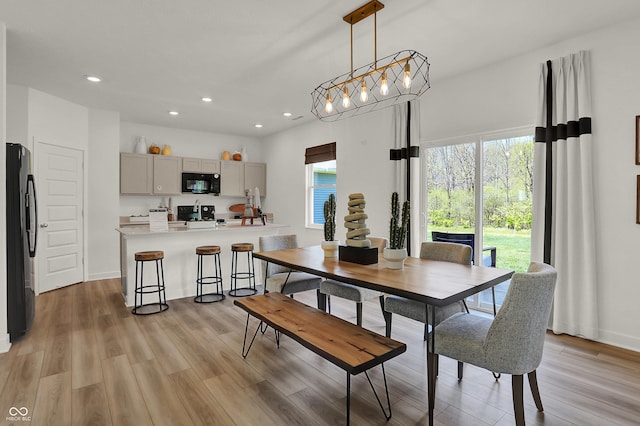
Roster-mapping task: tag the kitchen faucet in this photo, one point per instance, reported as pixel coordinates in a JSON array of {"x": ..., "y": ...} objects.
[{"x": 196, "y": 209}]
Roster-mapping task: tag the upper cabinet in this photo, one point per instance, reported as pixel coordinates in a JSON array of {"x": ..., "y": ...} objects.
[
  {"x": 232, "y": 178},
  {"x": 147, "y": 174},
  {"x": 136, "y": 173},
  {"x": 255, "y": 176},
  {"x": 199, "y": 165},
  {"x": 144, "y": 174},
  {"x": 237, "y": 176},
  {"x": 166, "y": 175}
]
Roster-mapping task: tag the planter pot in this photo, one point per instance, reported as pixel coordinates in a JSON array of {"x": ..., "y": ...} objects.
[
  {"x": 395, "y": 257},
  {"x": 330, "y": 248}
]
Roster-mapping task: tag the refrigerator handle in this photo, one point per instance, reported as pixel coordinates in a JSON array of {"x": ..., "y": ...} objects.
[{"x": 31, "y": 189}]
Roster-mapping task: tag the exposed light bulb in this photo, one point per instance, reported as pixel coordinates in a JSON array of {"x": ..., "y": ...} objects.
[
  {"x": 406, "y": 81},
  {"x": 328, "y": 107},
  {"x": 384, "y": 86},
  {"x": 93, "y": 78},
  {"x": 364, "y": 95},
  {"x": 346, "y": 100}
]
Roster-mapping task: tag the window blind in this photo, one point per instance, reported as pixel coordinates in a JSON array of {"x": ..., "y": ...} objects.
[{"x": 320, "y": 153}]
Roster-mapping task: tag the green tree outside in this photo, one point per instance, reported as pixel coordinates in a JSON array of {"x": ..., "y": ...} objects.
[{"x": 507, "y": 190}]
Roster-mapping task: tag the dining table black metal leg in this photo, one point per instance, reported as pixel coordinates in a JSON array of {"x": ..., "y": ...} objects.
[{"x": 431, "y": 367}]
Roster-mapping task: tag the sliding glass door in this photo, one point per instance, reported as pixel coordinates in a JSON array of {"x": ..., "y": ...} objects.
[{"x": 480, "y": 188}]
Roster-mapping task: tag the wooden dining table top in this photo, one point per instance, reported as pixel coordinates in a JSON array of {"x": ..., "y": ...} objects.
[{"x": 433, "y": 282}]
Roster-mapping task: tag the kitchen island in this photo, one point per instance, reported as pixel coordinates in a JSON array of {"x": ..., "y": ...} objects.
[{"x": 179, "y": 246}]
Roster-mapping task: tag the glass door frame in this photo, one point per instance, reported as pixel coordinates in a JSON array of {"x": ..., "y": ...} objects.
[{"x": 478, "y": 140}]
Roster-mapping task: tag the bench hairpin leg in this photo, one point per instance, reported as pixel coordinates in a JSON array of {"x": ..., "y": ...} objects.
[
  {"x": 244, "y": 341},
  {"x": 277, "y": 333},
  {"x": 348, "y": 397},
  {"x": 263, "y": 329},
  {"x": 386, "y": 390}
]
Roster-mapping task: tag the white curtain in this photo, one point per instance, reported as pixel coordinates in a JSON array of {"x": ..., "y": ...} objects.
[
  {"x": 406, "y": 152},
  {"x": 563, "y": 229}
]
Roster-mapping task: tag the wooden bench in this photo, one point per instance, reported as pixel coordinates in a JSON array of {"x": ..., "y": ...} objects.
[{"x": 350, "y": 347}]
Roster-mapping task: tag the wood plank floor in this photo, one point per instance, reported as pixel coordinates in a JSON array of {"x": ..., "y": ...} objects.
[{"x": 88, "y": 361}]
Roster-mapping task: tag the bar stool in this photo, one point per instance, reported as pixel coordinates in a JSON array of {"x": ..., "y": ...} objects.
[
  {"x": 248, "y": 275},
  {"x": 141, "y": 289},
  {"x": 216, "y": 278}
]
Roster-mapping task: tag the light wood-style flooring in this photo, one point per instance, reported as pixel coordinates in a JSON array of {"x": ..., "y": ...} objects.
[{"x": 89, "y": 361}]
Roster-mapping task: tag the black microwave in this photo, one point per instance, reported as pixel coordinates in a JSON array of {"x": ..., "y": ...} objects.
[{"x": 201, "y": 183}]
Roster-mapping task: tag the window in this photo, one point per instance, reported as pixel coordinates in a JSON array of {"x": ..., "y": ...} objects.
[
  {"x": 320, "y": 182},
  {"x": 482, "y": 185}
]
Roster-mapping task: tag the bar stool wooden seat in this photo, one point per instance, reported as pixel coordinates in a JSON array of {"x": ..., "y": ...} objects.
[
  {"x": 248, "y": 275},
  {"x": 215, "y": 279},
  {"x": 141, "y": 289}
]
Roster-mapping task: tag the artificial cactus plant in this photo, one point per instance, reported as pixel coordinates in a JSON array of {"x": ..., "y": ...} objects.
[
  {"x": 330, "y": 218},
  {"x": 397, "y": 233}
]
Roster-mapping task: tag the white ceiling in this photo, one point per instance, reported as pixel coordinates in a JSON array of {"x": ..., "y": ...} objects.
[{"x": 257, "y": 59}]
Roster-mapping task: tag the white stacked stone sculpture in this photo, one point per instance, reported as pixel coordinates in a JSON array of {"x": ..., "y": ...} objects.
[{"x": 355, "y": 222}]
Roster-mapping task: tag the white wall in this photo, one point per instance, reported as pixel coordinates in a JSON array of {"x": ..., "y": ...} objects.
[
  {"x": 103, "y": 243},
  {"x": 17, "y": 114},
  {"x": 57, "y": 121},
  {"x": 362, "y": 157},
  {"x": 4, "y": 336},
  {"x": 498, "y": 97},
  {"x": 184, "y": 143}
]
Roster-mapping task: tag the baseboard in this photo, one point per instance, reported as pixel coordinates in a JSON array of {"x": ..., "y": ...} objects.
[
  {"x": 624, "y": 341},
  {"x": 5, "y": 344},
  {"x": 103, "y": 275}
]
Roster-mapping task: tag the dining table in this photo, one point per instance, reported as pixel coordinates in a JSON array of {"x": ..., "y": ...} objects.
[{"x": 432, "y": 282}]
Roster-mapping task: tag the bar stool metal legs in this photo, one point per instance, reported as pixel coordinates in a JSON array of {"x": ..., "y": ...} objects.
[
  {"x": 215, "y": 279},
  {"x": 161, "y": 305},
  {"x": 248, "y": 275}
]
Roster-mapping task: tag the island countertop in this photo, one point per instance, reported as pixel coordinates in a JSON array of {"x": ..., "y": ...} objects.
[{"x": 131, "y": 230}]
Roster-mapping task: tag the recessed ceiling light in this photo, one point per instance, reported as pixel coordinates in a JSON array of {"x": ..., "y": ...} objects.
[
  {"x": 259, "y": 125},
  {"x": 173, "y": 113},
  {"x": 93, "y": 78},
  {"x": 286, "y": 114},
  {"x": 206, "y": 99}
]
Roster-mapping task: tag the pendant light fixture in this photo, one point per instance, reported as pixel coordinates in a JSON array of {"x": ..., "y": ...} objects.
[{"x": 394, "y": 79}]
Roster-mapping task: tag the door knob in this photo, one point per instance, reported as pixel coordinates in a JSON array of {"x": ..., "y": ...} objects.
[{"x": 44, "y": 225}]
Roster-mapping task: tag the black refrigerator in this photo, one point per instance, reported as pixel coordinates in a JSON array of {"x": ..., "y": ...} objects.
[{"x": 21, "y": 240}]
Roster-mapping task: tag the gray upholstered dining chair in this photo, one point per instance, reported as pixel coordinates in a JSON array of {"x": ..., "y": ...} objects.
[
  {"x": 418, "y": 311},
  {"x": 282, "y": 279},
  {"x": 352, "y": 292},
  {"x": 510, "y": 343}
]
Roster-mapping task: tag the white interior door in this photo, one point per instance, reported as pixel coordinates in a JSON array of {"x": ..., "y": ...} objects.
[{"x": 60, "y": 179}]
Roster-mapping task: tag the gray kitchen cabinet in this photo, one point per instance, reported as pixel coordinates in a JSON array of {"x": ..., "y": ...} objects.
[
  {"x": 255, "y": 175},
  {"x": 191, "y": 165},
  {"x": 199, "y": 165},
  {"x": 210, "y": 166},
  {"x": 136, "y": 173},
  {"x": 232, "y": 178},
  {"x": 167, "y": 175}
]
